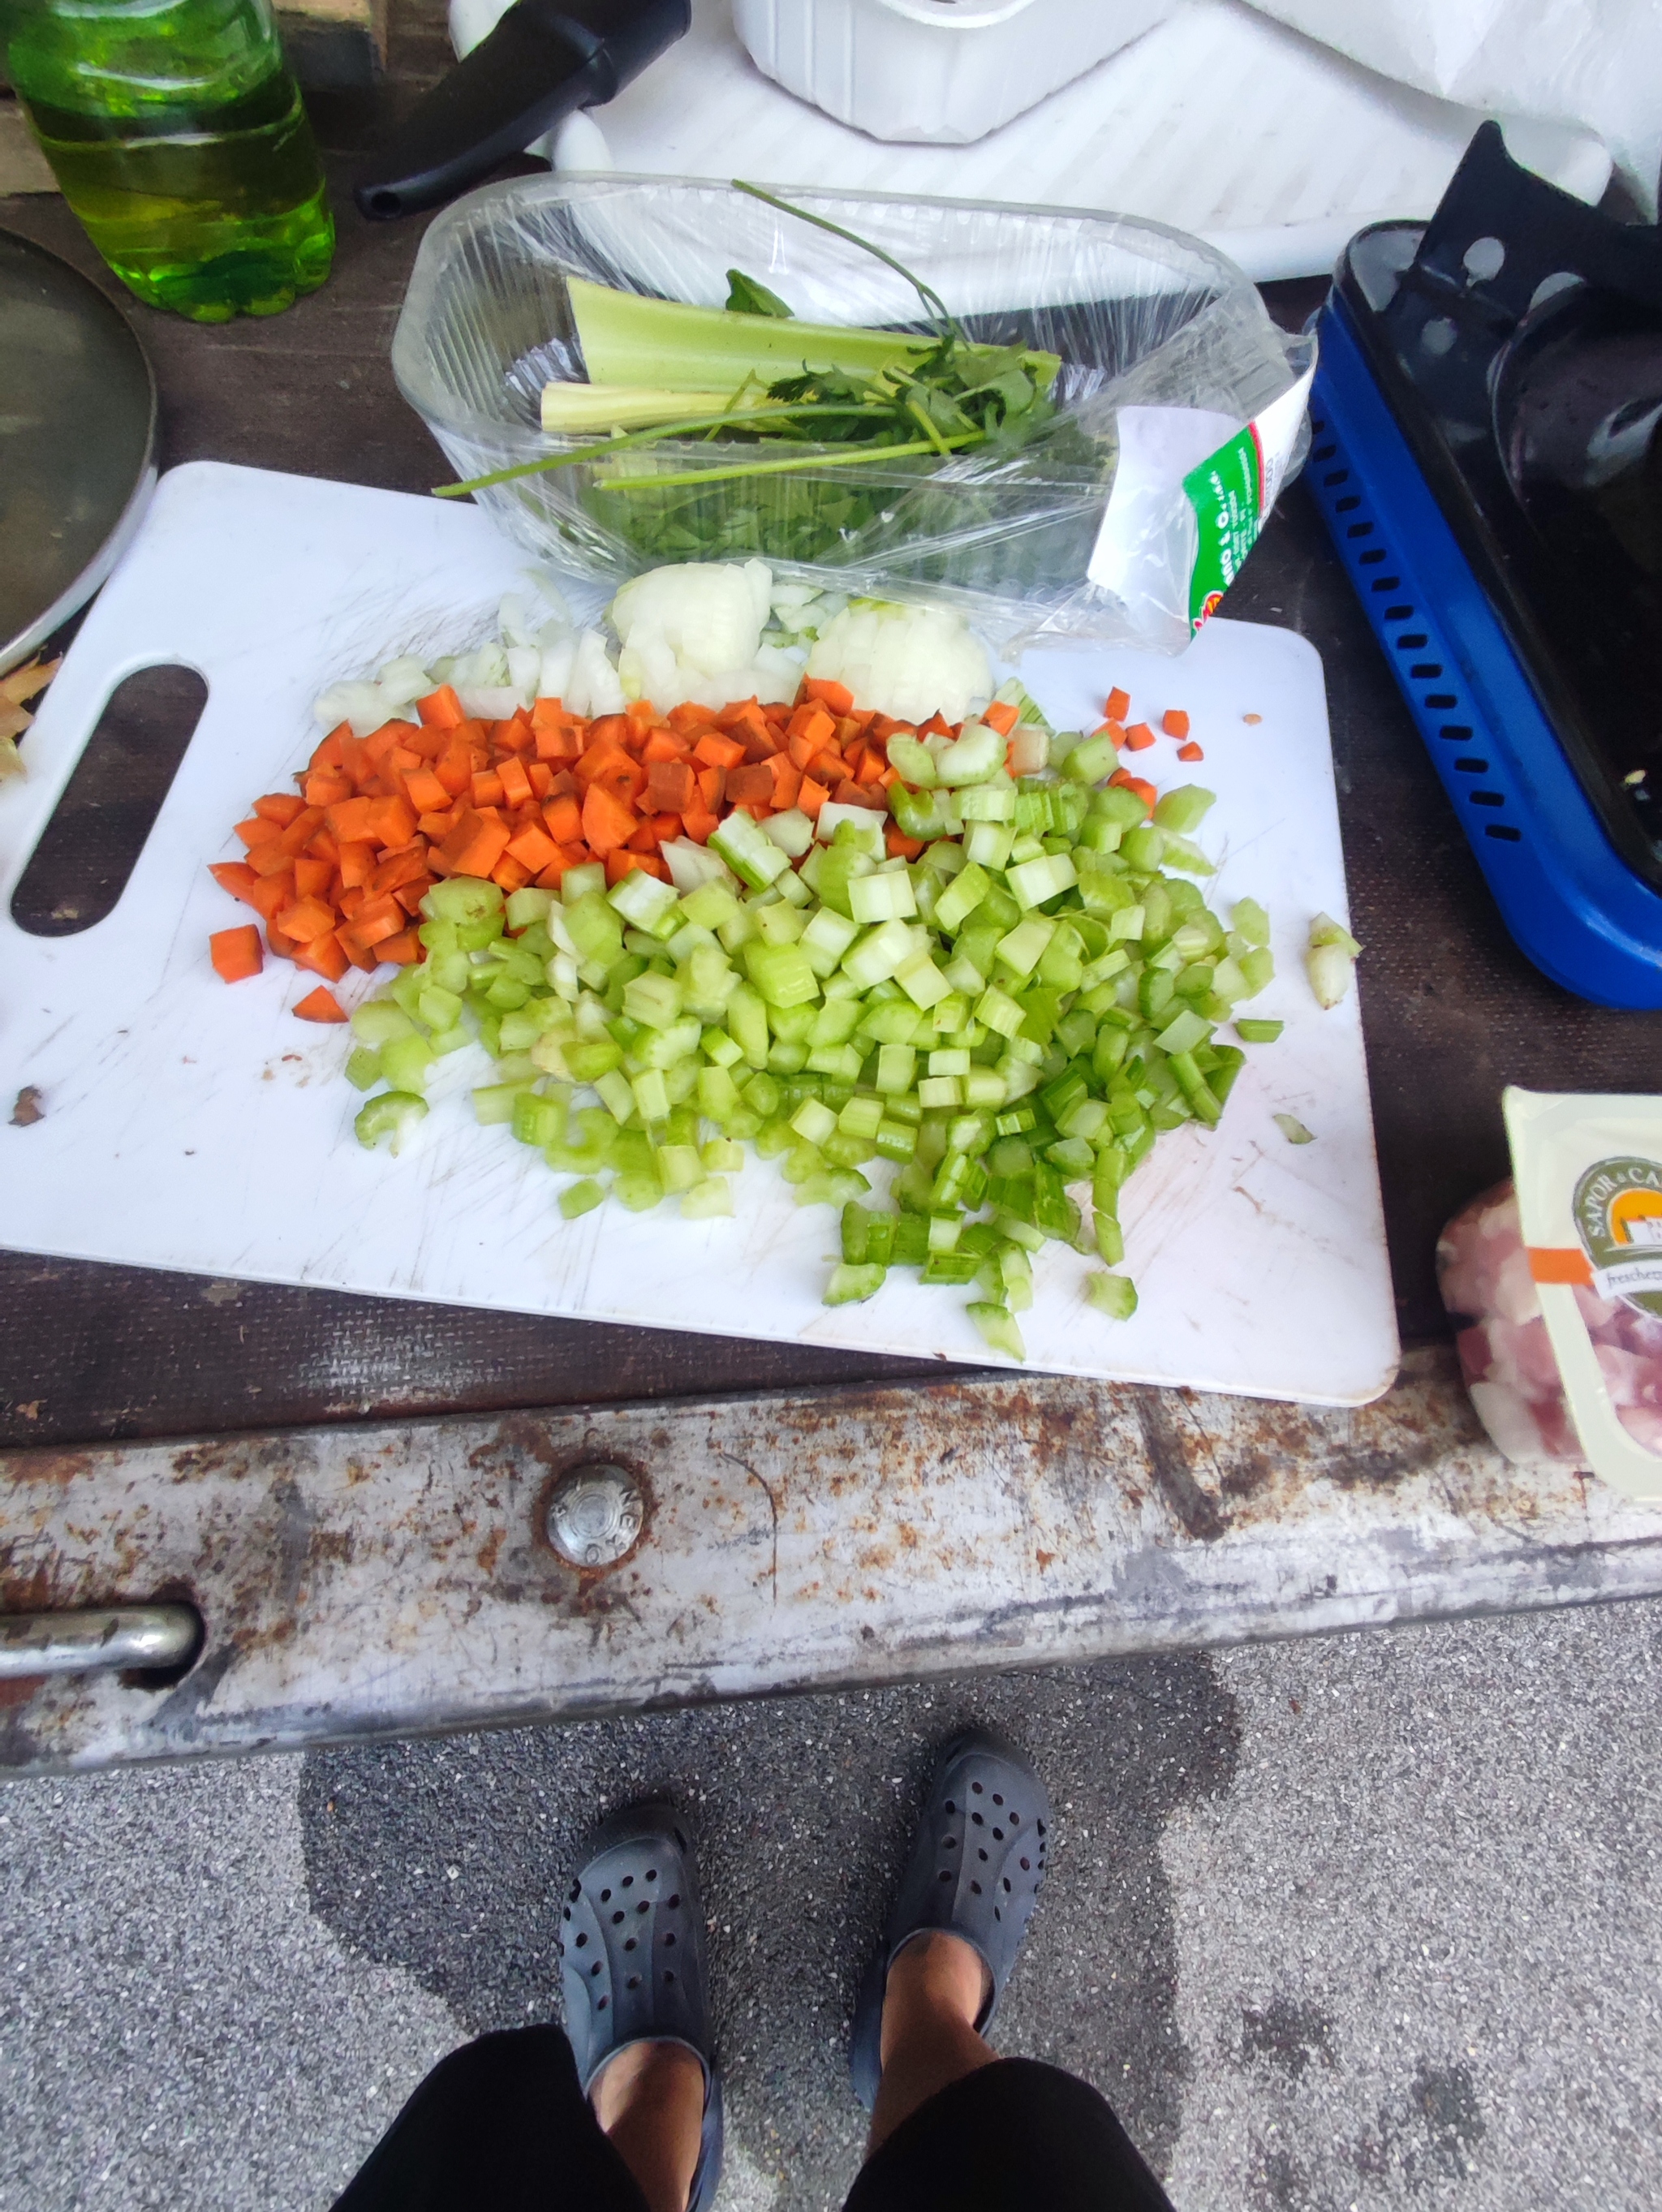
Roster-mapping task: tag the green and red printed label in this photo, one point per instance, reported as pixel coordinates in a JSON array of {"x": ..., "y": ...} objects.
[{"x": 1233, "y": 490}]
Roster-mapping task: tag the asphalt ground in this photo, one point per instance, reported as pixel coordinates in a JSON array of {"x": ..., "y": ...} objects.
[{"x": 1357, "y": 1922}]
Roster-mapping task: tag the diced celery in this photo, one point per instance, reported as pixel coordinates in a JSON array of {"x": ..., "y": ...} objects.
[
  {"x": 882, "y": 897},
  {"x": 992, "y": 801},
  {"x": 718, "y": 1095},
  {"x": 1293, "y": 1129},
  {"x": 616, "y": 1095},
  {"x": 961, "y": 897},
  {"x": 754, "y": 858},
  {"x": 1033, "y": 882},
  {"x": 921, "y": 981},
  {"x": 777, "y": 924},
  {"x": 1251, "y": 1031},
  {"x": 781, "y": 973},
  {"x": 494, "y": 1103},
  {"x": 648, "y": 903},
  {"x": 580, "y": 1197},
  {"x": 391, "y": 1114},
  {"x": 997, "y": 1327},
  {"x": 827, "y": 937},
  {"x": 791, "y": 831},
  {"x": 941, "y": 1090},
  {"x": 813, "y": 1120},
  {"x": 894, "y": 1140},
  {"x": 364, "y": 1068},
  {"x": 720, "y": 1050},
  {"x": 708, "y": 906},
  {"x": 1113, "y": 1295},
  {"x": 747, "y": 1025},
  {"x": 1250, "y": 921},
  {"x": 1257, "y": 967},
  {"x": 576, "y": 884},
  {"x": 405, "y": 1062},
  {"x": 862, "y": 1117},
  {"x": 879, "y": 954},
  {"x": 722, "y": 1156},
  {"x": 851, "y": 1285},
  {"x": 678, "y": 1167},
  {"x": 1184, "y": 1033},
  {"x": 1021, "y": 949},
  {"x": 652, "y": 999},
  {"x": 464, "y": 900},
  {"x": 987, "y": 844},
  {"x": 897, "y": 1065},
  {"x": 378, "y": 1021},
  {"x": 1184, "y": 809},
  {"x": 709, "y": 1200}
]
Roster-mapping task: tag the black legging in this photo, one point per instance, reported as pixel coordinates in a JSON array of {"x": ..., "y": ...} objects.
[{"x": 502, "y": 2125}]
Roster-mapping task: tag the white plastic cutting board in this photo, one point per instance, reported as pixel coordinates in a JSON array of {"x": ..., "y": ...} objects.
[{"x": 186, "y": 1124}]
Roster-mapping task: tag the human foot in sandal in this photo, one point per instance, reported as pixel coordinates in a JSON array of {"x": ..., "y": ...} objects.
[
  {"x": 633, "y": 1975},
  {"x": 965, "y": 1901}
]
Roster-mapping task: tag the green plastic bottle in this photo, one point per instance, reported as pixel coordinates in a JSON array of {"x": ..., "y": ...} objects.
[{"x": 177, "y": 134}]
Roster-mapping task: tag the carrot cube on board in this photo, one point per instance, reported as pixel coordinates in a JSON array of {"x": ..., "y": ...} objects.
[
  {"x": 403, "y": 951},
  {"x": 279, "y": 807},
  {"x": 441, "y": 709},
  {"x": 306, "y": 919},
  {"x": 607, "y": 822},
  {"x": 236, "y": 953},
  {"x": 313, "y": 878},
  {"x": 321, "y": 1006},
  {"x": 836, "y": 696},
  {"x": 1117, "y": 705},
  {"x": 1001, "y": 716},
  {"x": 258, "y": 830},
  {"x": 1138, "y": 738},
  {"x": 1192, "y": 751},
  {"x": 234, "y": 876},
  {"x": 1174, "y": 722}
]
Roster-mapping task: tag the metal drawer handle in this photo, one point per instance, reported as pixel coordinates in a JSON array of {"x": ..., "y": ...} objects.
[{"x": 149, "y": 1637}]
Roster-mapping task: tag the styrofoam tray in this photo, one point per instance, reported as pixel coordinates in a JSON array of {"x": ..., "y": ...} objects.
[
  {"x": 1219, "y": 122},
  {"x": 191, "y": 1125}
]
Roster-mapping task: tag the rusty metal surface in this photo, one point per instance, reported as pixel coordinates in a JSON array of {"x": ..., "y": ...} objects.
[{"x": 360, "y": 1582}]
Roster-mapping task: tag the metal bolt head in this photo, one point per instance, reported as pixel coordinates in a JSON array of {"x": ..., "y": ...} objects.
[{"x": 595, "y": 1515}]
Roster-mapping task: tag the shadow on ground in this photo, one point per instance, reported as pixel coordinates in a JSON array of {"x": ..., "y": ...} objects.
[{"x": 447, "y": 1857}]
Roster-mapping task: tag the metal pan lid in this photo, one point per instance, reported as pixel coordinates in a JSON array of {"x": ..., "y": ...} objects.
[{"x": 77, "y": 441}]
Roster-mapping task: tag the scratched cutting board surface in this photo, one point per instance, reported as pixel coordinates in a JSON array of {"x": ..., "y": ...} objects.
[{"x": 185, "y": 1124}]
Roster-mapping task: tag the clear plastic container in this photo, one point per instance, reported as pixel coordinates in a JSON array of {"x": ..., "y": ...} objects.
[{"x": 1139, "y": 314}]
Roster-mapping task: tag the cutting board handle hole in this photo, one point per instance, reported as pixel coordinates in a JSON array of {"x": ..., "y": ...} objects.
[{"x": 80, "y": 867}]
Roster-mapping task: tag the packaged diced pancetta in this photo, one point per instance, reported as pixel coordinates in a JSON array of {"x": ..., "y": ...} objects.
[{"x": 1556, "y": 1283}]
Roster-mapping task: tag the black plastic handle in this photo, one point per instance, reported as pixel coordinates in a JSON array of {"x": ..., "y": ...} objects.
[{"x": 545, "y": 59}]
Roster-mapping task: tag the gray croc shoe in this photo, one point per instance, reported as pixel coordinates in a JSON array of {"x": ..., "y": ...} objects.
[
  {"x": 977, "y": 1862},
  {"x": 632, "y": 1967}
]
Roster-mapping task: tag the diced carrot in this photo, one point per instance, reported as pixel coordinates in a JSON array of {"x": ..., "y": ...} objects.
[
  {"x": 324, "y": 790},
  {"x": 516, "y": 735},
  {"x": 540, "y": 777},
  {"x": 321, "y": 1006},
  {"x": 380, "y": 742},
  {"x": 403, "y": 951},
  {"x": 377, "y": 919},
  {"x": 257, "y": 831},
  {"x": 666, "y": 825},
  {"x": 698, "y": 825},
  {"x": 787, "y": 780},
  {"x": 312, "y": 877},
  {"x": 557, "y": 741},
  {"x": 321, "y": 956},
  {"x": 279, "y": 807},
  {"x": 564, "y": 819},
  {"x": 900, "y": 845},
  {"x": 271, "y": 893},
  {"x": 357, "y": 863},
  {"x": 425, "y": 792},
  {"x": 1192, "y": 751},
  {"x": 811, "y": 796},
  {"x": 392, "y": 822},
  {"x": 278, "y": 941},
  {"x": 515, "y": 783},
  {"x": 307, "y": 918},
  {"x": 814, "y": 727},
  {"x": 353, "y": 950},
  {"x": 476, "y": 844},
  {"x": 712, "y": 787},
  {"x": 324, "y": 848},
  {"x": 301, "y": 831},
  {"x": 1144, "y": 790},
  {"x": 890, "y": 776},
  {"x": 549, "y": 879},
  {"x": 687, "y": 720},
  {"x": 625, "y": 779},
  {"x": 762, "y": 744},
  {"x": 454, "y": 768},
  {"x": 1117, "y": 705},
  {"x": 1001, "y": 716},
  {"x": 871, "y": 765},
  {"x": 330, "y": 753},
  {"x": 751, "y": 787},
  {"x": 1138, "y": 738},
  {"x": 235, "y": 877},
  {"x": 487, "y": 789},
  {"x": 533, "y": 848},
  {"x": 236, "y": 953},
  {"x": 619, "y": 862},
  {"x": 716, "y": 751},
  {"x": 435, "y": 827},
  {"x": 351, "y": 822},
  {"x": 836, "y": 696},
  {"x": 270, "y": 859},
  {"x": 665, "y": 745},
  {"x": 607, "y": 822},
  {"x": 670, "y": 787},
  {"x": 410, "y": 895},
  {"x": 441, "y": 709},
  {"x": 509, "y": 874},
  {"x": 1174, "y": 722},
  {"x": 398, "y": 867},
  {"x": 645, "y": 838}
]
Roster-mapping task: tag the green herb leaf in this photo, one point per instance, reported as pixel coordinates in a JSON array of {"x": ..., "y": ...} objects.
[{"x": 746, "y": 296}]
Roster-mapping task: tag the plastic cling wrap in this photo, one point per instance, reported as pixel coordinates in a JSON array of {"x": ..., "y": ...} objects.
[{"x": 1167, "y": 442}]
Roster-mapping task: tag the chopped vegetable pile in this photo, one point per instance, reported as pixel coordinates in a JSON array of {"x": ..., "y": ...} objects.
[{"x": 964, "y": 945}]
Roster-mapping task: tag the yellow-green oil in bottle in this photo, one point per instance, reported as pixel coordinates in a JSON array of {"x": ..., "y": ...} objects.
[{"x": 177, "y": 134}]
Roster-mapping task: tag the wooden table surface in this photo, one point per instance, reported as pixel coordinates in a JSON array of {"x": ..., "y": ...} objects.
[{"x": 1452, "y": 1011}]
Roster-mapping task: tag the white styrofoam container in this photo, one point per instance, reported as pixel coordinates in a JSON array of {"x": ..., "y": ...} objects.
[{"x": 935, "y": 72}]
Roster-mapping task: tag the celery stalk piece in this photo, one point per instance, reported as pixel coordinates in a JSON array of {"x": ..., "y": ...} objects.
[
  {"x": 391, "y": 1113},
  {"x": 579, "y": 1198},
  {"x": 754, "y": 858},
  {"x": 1293, "y": 1129},
  {"x": 1184, "y": 809},
  {"x": 364, "y": 1068},
  {"x": 921, "y": 981},
  {"x": 378, "y": 1021},
  {"x": 709, "y": 1200},
  {"x": 851, "y": 1285},
  {"x": 881, "y": 897},
  {"x": 1256, "y": 1032},
  {"x": 1323, "y": 930},
  {"x": 997, "y": 1327},
  {"x": 1330, "y": 968},
  {"x": 589, "y": 410},
  {"x": 1113, "y": 1295},
  {"x": 973, "y": 756}
]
